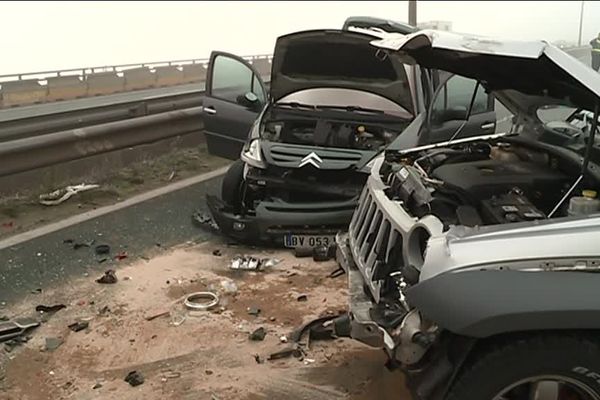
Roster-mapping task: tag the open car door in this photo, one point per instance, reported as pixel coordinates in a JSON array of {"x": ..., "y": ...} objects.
[
  {"x": 449, "y": 107},
  {"x": 234, "y": 96}
]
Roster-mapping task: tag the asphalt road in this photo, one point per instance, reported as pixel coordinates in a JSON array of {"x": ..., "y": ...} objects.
[{"x": 140, "y": 230}]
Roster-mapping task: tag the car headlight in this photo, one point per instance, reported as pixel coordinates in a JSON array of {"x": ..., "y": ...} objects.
[{"x": 252, "y": 154}]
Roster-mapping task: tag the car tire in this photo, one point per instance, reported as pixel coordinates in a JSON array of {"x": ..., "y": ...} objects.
[
  {"x": 574, "y": 358},
  {"x": 232, "y": 188}
]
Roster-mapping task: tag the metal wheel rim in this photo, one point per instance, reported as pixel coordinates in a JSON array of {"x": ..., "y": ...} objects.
[{"x": 547, "y": 387}]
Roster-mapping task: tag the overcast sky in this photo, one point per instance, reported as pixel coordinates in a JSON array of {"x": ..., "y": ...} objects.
[{"x": 54, "y": 35}]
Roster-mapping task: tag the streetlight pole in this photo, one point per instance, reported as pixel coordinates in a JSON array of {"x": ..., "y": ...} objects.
[
  {"x": 580, "y": 23},
  {"x": 412, "y": 12}
]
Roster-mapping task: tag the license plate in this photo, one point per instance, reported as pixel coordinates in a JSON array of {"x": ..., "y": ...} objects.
[{"x": 307, "y": 240}]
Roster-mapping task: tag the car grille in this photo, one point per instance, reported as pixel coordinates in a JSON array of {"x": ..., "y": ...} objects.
[
  {"x": 383, "y": 237},
  {"x": 292, "y": 156}
]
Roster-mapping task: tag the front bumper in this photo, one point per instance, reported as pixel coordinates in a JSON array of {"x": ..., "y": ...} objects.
[
  {"x": 272, "y": 220},
  {"x": 362, "y": 326}
]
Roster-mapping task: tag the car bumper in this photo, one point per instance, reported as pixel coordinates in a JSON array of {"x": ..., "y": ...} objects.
[
  {"x": 271, "y": 221},
  {"x": 362, "y": 327}
]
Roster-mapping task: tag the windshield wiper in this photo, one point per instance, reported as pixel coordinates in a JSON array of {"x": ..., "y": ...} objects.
[
  {"x": 351, "y": 109},
  {"x": 295, "y": 104}
]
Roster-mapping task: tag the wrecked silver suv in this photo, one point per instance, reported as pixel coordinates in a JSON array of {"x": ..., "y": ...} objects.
[{"x": 475, "y": 262}]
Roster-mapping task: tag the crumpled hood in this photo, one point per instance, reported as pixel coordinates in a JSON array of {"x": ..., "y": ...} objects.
[
  {"x": 336, "y": 59},
  {"x": 522, "y": 75}
]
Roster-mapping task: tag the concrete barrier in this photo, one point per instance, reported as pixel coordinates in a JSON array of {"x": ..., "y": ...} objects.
[
  {"x": 168, "y": 76},
  {"x": 139, "y": 78},
  {"x": 262, "y": 66},
  {"x": 65, "y": 88},
  {"x": 193, "y": 73},
  {"x": 104, "y": 83},
  {"x": 24, "y": 92}
]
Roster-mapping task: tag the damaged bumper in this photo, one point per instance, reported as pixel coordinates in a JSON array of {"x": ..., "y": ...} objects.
[
  {"x": 362, "y": 326},
  {"x": 272, "y": 220}
]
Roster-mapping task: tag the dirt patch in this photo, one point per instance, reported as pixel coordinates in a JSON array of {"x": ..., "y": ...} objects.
[
  {"x": 209, "y": 354},
  {"x": 23, "y": 211}
]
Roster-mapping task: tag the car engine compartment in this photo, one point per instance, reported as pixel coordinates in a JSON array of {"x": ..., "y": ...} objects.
[
  {"x": 482, "y": 183},
  {"x": 360, "y": 131}
]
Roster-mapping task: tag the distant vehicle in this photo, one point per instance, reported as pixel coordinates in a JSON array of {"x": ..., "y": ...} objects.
[
  {"x": 307, "y": 144},
  {"x": 475, "y": 262}
]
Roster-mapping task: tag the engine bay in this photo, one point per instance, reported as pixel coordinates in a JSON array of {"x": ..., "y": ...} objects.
[
  {"x": 360, "y": 131},
  {"x": 482, "y": 183}
]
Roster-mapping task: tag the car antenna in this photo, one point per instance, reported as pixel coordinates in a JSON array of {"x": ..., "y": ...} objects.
[
  {"x": 584, "y": 164},
  {"x": 468, "y": 113}
]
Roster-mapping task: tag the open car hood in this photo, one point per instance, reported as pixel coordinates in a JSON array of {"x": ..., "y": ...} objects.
[
  {"x": 522, "y": 75},
  {"x": 337, "y": 59}
]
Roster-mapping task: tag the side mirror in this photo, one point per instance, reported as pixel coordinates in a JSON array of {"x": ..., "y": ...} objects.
[
  {"x": 249, "y": 100},
  {"x": 451, "y": 114}
]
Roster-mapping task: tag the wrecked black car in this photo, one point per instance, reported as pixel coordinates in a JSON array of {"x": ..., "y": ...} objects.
[{"x": 307, "y": 146}]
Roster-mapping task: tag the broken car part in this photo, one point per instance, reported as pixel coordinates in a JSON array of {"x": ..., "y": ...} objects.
[
  {"x": 48, "y": 309},
  {"x": 102, "y": 249},
  {"x": 109, "y": 277},
  {"x": 134, "y": 378},
  {"x": 201, "y": 301},
  {"x": 258, "y": 334},
  {"x": 79, "y": 326},
  {"x": 16, "y": 327},
  {"x": 61, "y": 195}
]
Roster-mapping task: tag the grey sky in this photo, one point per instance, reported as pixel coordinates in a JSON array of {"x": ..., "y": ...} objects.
[{"x": 49, "y": 35}]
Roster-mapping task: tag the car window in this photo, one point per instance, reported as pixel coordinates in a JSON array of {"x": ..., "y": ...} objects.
[
  {"x": 457, "y": 93},
  {"x": 231, "y": 79},
  {"x": 258, "y": 90}
]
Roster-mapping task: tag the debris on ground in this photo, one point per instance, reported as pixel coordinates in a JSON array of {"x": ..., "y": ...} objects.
[
  {"x": 53, "y": 343},
  {"x": 295, "y": 350},
  {"x": 121, "y": 256},
  {"x": 253, "y": 311},
  {"x": 17, "y": 327},
  {"x": 157, "y": 314},
  {"x": 204, "y": 220},
  {"x": 195, "y": 301},
  {"x": 102, "y": 249},
  {"x": 178, "y": 316},
  {"x": 98, "y": 385},
  {"x": 229, "y": 286},
  {"x": 78, "y": 245},
  {"x": 302, "y": 297},
  {"x": 217, "y": 253},
  {"x": 321, "y": 253},
  {"x": 109, "y": 277},
  {"x": 8, "y": 225},
  {"x": 247, "y": 263},
  {"x": 258, "y": 335},
  {"x": 78, "y": 326},
  {"x": 134, "y": 378},
  {"x": 258, "y": 359},
  {"x": 316, "y": 329},
  {"x": 337, "y": 272},
  {"x": 49, "y": 309},
  {"x": 61, "y": 195},
  {"x": 36, "y": 291},
  {"x": 283, "y": 339}
]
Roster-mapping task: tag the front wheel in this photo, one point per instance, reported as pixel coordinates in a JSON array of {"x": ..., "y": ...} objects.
[{"x": 538, "y": 367}]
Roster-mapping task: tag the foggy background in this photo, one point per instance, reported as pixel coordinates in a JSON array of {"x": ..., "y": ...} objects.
[{"x": 58, "y": 35}]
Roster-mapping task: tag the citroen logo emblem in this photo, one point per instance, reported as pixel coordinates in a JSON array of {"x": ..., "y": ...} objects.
[{"x": 312, "y": 159}]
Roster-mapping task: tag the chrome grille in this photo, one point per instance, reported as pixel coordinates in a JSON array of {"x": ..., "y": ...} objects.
[{"x": 290, "y": 154}]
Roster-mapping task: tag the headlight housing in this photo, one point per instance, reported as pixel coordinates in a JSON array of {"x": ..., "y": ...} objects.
[{"x": 252, "y": 154}]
